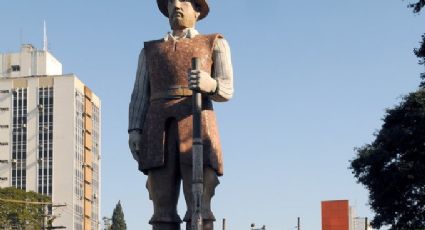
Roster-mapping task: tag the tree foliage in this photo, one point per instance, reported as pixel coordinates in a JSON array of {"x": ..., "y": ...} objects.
[
  {"x": 392, "y": 168},
  {"x": 15, "y": 215},
  {"x": 420, "y": 52},
  {"x": 118, "y": 222},
  {"x": 417, "y": 7}
]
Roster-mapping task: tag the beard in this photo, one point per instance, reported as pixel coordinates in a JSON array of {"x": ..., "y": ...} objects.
[{"x": 182, "y": 22}]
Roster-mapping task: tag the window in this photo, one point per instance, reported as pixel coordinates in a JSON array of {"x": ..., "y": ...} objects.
[
  {"x": 16, "y": 68},
  {"x": 96, "y": 156},
  {"x": 19, "y": 137},
  {"x": 45, "y": 140},
  {"x": 79, "y": 160}
]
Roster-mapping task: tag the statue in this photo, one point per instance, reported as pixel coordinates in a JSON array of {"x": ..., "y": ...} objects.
[{"x": 160, "y": 112}]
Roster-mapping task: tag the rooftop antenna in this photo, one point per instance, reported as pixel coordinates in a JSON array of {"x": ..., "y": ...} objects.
[{"x": 45, "y": 37}]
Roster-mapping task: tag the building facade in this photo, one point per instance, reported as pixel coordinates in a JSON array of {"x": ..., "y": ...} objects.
[
  {"x": 335, "y": 215},
  {"x": 361, "y": 223},
  {"x": 50, "y": 136},
  {"x": 339, "y": 215}
]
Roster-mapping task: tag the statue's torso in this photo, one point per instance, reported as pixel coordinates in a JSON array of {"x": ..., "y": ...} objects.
[{"x": 168, "y": 63}]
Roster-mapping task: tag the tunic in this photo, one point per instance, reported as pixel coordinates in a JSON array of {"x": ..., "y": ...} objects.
[{"x": 168, "y": 63}]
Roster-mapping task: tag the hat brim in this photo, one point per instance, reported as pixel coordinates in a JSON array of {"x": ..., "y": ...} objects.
[{"x": 204, "y": 9}]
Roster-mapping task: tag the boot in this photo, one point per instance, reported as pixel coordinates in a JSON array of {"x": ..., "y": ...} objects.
[
  {"x": 206, "y": 225},
  {"x": 166, "y": 226}
]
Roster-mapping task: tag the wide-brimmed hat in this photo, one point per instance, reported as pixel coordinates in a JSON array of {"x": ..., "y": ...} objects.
[{"x": 202, "y": 4}]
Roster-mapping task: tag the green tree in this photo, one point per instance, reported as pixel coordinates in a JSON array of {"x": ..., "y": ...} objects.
[
  {"x": 417, "y": 7},
  {"x": 393, "y": 167},
  {"x": 19, "y": 209},
  {"x": 420, "y": 52},
  {"x": 118, "y": 222}
]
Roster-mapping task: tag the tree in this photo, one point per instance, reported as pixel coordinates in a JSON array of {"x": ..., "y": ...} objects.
[
  {"x": 420, "y": 52},
  {"x": 118, "y": 222},
  {"x": 417, "y": 7},
  {"x": 19, "y": 209},
  {"x": 393, "y": 167}
]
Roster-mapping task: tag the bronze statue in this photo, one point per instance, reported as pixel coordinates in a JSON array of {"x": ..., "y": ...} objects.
[{"x": 160, "y": 111}]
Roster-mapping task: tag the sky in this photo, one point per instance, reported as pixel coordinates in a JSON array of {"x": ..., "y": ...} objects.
[{"x": 312, "y": 82}]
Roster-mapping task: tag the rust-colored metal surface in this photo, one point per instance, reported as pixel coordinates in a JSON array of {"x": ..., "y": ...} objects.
[
  {"x": 335, "y": 215},
  {"x": 169, "y": 63}
]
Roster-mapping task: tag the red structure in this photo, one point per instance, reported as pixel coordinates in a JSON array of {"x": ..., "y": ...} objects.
[{"x": 335, "y": 215}]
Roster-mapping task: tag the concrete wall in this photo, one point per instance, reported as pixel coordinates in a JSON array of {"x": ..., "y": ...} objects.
[
  {"x": 5, "y": 133},
  {"x": 32, "y": 134},
  {"x": 64, "y": 148},
  {"x": 32, "y": 62}
]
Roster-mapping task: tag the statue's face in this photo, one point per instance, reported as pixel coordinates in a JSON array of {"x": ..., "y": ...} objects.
[{"x": 182, "y": 14}]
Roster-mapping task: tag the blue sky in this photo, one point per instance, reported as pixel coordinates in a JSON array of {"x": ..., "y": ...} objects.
[{"x": 312, "y": 82}]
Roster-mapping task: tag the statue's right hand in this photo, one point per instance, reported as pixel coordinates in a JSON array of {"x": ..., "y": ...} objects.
[{"x": 134, "y": 142}]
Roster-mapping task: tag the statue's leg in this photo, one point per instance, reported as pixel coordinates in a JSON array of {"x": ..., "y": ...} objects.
[
  {"x": 164, "y": 186},
  {"x": 210, "y": 183}
]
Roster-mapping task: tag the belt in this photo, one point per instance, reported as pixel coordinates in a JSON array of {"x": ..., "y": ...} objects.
[{"x": 172, "y": 93}]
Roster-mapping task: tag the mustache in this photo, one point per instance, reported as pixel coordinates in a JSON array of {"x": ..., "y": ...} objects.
[{"x": 177, "y": 12}]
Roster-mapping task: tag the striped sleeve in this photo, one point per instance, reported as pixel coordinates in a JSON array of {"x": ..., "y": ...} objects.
[
  {"x": 222, "y": 71},
  {"x": 140, "y": 97}
]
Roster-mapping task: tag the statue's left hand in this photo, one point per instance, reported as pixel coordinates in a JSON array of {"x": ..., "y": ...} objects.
[
  {"x": 202, "y": 81},
  {"x": 134, "y": 142}
]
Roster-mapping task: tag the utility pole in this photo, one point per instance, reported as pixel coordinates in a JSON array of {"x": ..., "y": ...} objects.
[
  {"x": 224, "y": 223},
  {"x": 365, "y": 223},
  {"x": 299, "y": 224},
  {"x": 45, "y": 215}
]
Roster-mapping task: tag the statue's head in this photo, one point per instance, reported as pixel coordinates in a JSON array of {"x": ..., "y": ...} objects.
[{"x": 183, "y": 14}]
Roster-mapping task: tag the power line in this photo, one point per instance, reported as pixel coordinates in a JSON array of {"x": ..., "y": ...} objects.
[
  {"x": 32, "y": 202},
  {"x": 26, "y": 202},
  {"x": 45, "y": 216}
]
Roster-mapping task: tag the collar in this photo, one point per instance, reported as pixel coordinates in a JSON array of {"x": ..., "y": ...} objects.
[{"x": 190, "y": 33}]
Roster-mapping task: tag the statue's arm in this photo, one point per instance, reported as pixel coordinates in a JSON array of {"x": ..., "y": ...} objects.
[
  {"x": 222, "y": 71},
  {"x": 140, "y": 97},
  {"x": 138, "y": 105}
]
